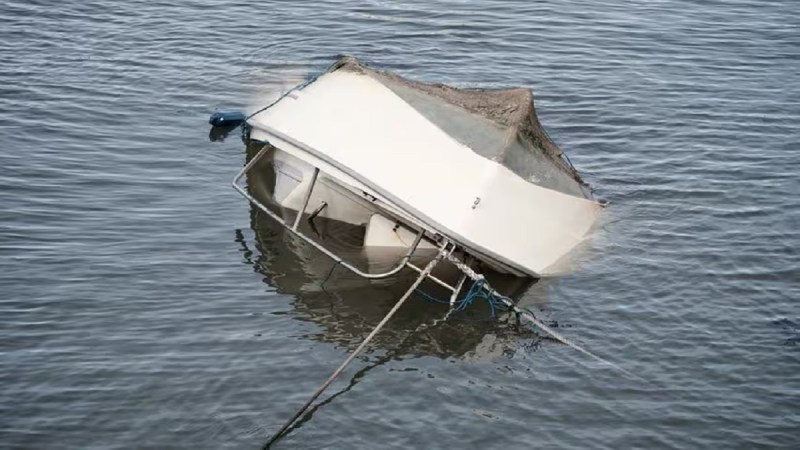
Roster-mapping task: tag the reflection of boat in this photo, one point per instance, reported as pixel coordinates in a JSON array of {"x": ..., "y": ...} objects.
[{"x": 420, "y": 169}]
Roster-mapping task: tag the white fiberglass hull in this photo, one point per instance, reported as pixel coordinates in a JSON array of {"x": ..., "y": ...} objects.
[{"x": 398, "y": 161}]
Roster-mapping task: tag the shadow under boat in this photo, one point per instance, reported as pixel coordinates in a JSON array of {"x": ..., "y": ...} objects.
[{"x": 347, "y": 306}]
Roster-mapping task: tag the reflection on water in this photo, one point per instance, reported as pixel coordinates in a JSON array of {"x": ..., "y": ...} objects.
[
  {"x": 129, "y": 321},
  {"x": 347, "y": 307}
]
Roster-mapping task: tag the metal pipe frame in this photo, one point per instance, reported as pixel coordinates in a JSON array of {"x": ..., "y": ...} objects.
[
  {"x": 293, "y": 228},
  {"x": 306, "y": 199},
  {"x": 433, "y": 278}
]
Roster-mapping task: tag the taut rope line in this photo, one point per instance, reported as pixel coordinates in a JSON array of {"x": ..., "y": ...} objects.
[
  {"x": 302, "y": 411},
  {"x": 530, "y": 317}
]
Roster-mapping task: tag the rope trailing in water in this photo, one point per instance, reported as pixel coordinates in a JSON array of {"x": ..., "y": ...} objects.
[
  {"x": 302, "y": 411},
  {"x": 478, "y": 291},
  {"x": 480, "y": 283}
]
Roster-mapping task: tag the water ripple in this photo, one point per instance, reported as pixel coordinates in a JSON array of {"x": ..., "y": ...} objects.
[{"x": 144, "y": 305}]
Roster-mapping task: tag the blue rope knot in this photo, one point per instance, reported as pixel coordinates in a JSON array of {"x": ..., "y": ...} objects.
[{"x": 478, "y": 291}]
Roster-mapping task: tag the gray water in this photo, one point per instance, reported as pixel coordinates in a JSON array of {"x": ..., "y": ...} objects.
[{"x": 144, "y": 305}]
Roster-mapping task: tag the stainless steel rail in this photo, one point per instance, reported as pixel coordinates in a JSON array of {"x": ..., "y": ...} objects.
[{"x": 294, "y": 227}]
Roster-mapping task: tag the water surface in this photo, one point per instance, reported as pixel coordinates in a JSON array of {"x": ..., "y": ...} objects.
[{"x": 143, "y": 305}]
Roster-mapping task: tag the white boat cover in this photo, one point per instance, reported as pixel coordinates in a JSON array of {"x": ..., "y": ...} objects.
[{"x": 474, "y": 165}]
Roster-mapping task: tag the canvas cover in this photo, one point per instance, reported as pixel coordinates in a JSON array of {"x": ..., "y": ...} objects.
[{"x": 498, "y": 124}]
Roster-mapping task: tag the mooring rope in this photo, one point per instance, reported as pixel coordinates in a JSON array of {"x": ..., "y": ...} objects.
[
  {"x": 527, "y": 314},
  {"x": 476, "y": 291},
  {"x": 302, "y": 411}
]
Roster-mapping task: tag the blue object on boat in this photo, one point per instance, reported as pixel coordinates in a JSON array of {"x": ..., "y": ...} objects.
[{"x": 227, "y": 118}]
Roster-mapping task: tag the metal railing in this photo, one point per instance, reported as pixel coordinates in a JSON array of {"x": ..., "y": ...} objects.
[{"x": 404, "y": 261}]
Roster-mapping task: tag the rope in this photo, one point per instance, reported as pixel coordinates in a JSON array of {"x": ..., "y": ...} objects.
[
  {"x": 302, "y": 411},
  {"x": 481, "y": 284}
]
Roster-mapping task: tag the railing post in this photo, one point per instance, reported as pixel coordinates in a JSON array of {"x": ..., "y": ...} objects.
[{"x": 306, "y": 200}]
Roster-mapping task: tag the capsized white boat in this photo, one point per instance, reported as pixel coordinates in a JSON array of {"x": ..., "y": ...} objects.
[
  {"x": 418, "y": 164},
  {"x": 465, "y": 175}
]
